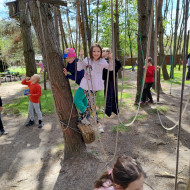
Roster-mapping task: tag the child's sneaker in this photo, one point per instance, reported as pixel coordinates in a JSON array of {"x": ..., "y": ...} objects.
[
  {"x": 143, "y": 103},
  {"x": 30, "y": 123},
  {"x": 3, "y": 132},
  {"x": 100, "y": 128},
  {"x": 151, "y": 101},
  {"x": 40, "y": 124},
  {"x": 85, "y": 121}
]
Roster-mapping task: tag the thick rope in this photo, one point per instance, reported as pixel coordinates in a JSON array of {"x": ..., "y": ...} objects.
[{"x": 146, "y": 63}]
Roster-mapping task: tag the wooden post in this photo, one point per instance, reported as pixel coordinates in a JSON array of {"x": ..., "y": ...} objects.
[{"x": 158, "y": 86}]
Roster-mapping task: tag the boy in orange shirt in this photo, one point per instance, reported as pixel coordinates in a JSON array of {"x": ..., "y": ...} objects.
[{"x": 34, "y": 98}]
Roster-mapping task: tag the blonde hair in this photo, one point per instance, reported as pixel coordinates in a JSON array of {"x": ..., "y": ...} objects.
[
  {"x": 37, "y": 77},
  {"x": 106, "y": 49}
]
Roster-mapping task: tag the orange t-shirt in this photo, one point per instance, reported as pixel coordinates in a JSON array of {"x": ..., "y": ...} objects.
[{"x": 35, "y": 91}]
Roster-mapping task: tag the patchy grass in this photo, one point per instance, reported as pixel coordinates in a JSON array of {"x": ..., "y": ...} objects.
[
  {"x": 140, "y": 117},
  {"x": 126, "y": 86},
  {"x": 121, "y": 128},
  {"x": 177, "y": 75},
  {"x": 21, "y": 70},
  {"x": 20, "y": 105},
  {"x": 162, "y": 109}
]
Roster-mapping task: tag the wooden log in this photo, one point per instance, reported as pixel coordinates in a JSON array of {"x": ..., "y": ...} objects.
[{"x": 87, "y": 133}]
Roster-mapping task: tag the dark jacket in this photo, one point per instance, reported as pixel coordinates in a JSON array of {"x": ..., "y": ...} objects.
[
  {"x": 105, "y": 71},
  {"x": 71, "y": 67},
  {"x": 1, "y": 104},
  {"x": 112, "y": 101}
]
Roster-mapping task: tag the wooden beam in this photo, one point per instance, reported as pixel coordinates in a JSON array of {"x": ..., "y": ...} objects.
[{"x": 55, "y": 2}]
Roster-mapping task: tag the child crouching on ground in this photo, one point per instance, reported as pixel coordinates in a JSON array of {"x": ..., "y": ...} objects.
[{"x": 34, "y": 98}]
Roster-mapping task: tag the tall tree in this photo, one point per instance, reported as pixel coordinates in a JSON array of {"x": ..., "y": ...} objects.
[
  {"x": 56, "y": 23},
  {"x": 97, "y": 14},
  {"x": 161, "y": 41},
  {"x": 117, "y": 41},
  {"x": 25, "y": 25},
  {"x": 60, "y": 86},
  {"x": 79, "y": 21},
  {"x": 175, "y": 33},
  {"x": 142, "y": 41},
  {"x": 87, "y": 24},
  {"x": 70, "y": 31},
  {"x": 83, "y": 27}
]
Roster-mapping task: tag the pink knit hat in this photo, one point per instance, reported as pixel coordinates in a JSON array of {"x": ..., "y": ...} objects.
[{"x": 69, "y": 52}]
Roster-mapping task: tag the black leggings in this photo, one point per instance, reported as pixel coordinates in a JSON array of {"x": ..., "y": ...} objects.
[
  {"x": 146, "y": 92},
  {"x": 188, "y": 74},
  {"x": 1, "y": 124}
]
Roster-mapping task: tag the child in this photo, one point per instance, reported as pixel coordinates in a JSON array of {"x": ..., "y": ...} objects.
[
  {"x": 70, "y": 56},
  {"x": 188, "y": 65},
  {"x": 92, "y": 81},
  {"x": 2, "y": 130},
  {"x": 127, "y": 174},
  {"x": 34, "y": 98},
  {"x": 149, "y": 80},
  {"x": 112, "y": 101}
]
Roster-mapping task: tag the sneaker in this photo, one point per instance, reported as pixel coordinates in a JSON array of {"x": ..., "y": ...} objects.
[
  {"x": 40, "y": 124},
  {"x": 85, "y": 121},
  {"x": 143, "y": 103},
  {"x": 150, "y": 101},
  {"x": 100, "y": 128},
  {"x": 30, "y": 123},
  {"x": 3, "y": 132}
]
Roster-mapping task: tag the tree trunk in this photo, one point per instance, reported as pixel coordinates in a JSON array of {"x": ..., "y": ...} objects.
[
  {"x": 151, "y": 53},
  {"x": 59, "y": 83},
  {"x": 117, "y": 44},
  {"x": 117, "y": 41},
  {"x": 161, "y": 43},
  {"x": 56, "y": 24},
  {"x": 143, "y": 34},
  {"x": 97, "y": 20},
  {"x": 79, "y": 22},
  {"x": 63, "y": 37},
  {"x": 88, "y": 31},
  {"x": 25, "y": 25},
  {"x": 83, "y": 31},
  {"x": 175, "y": 33},
  {"x": 69, "y": 26}
]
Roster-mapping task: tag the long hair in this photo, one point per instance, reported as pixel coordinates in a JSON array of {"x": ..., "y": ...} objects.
[
  {"x": 126, "y": 170},
  {"x": 91, "y": 50}
]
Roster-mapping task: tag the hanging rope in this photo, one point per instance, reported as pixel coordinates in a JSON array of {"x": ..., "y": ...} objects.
[
  {"x": 124, "y": 51},
  {"x": 145, "y": 63},
  {"x": 182, "y": 93}
]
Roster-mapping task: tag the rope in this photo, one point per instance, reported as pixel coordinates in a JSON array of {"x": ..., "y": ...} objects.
[
  {"x": 124, "y": 51},
  {"x": 177, "y": 123},
  {"x": 182, "y": 92},
  {"x": 145, "y": 63}
]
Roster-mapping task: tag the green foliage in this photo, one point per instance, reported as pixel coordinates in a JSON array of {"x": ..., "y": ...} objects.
[
  {"x": 20, "y": 105},
  {"x": 105, "y": 26}
]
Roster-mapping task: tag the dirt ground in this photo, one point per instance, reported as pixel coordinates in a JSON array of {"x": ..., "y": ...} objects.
[{"x": 32, "y": 158}]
